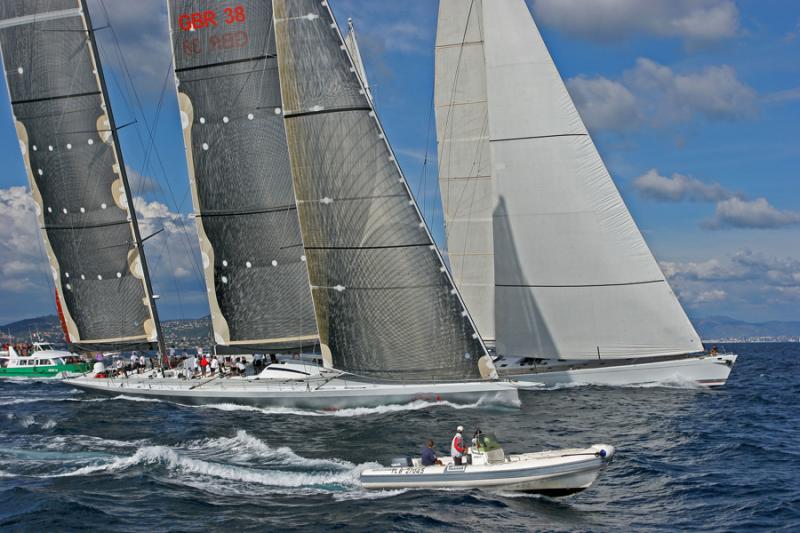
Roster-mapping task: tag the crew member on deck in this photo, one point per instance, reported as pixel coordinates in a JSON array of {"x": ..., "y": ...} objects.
[
  {"x": 429, "y": 455},
  {"x": 457, "y": 447}
]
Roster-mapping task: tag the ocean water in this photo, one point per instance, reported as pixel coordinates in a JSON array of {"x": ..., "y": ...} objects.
[{"x": 688, "y": 459}]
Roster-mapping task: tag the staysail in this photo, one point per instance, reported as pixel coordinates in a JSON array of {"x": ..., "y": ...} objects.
[
  {"x": 76, "y": 173},
  {"x": 465, "y": 166},
  {"x": 351, "y": 42},
  {"x": 231, "y": 113},
  {"x": 574, "y": 278},
  {"x": 385, "y": 303}
]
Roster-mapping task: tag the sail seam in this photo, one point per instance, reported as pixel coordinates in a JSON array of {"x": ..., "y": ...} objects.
[
  {"x": 540, "y": 137},
  {"x": 49, "y": 98},
  {"x": 324, "y": 111},
  {"x": 587, "y": 285},
  {"x": 220, "y": 213},
  {"x": 88, "y": 226},
  {"x": 427, "y": 244},
  {"x": 223, "y": 63}
]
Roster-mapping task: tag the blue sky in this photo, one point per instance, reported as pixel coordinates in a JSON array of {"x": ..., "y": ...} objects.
[{"x": 694, "y": 105}]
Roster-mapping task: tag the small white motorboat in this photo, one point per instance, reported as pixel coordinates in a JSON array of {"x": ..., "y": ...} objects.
[{"x": 552, "y": 473}]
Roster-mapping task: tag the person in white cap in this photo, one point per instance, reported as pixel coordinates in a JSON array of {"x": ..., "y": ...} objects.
[{"x": 457, "y": 447}]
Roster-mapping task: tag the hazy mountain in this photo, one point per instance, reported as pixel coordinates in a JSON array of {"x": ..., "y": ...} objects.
[{"x": 724, "y": 327}]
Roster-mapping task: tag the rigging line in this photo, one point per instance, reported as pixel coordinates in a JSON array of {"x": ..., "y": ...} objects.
[
  {"x": 457, "y": 76},
  {"x": 150, "y": 129}
]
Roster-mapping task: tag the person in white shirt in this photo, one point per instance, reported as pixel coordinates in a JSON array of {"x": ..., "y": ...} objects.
[
  {"x": 142, "y": 363},
  {"x": 241, "y": 367},
  {"x": 214, "y": 365},
  {"x": 134, "y": 361}
]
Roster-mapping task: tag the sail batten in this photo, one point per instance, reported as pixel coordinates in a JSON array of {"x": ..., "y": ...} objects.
[
  {"x": 384, "y": 301},
  {"x": 245, "y": 211},
  {"x": 75, "y": 173}
]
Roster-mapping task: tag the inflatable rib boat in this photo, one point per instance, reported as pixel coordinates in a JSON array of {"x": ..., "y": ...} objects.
[{"x": 552, "y": 473}]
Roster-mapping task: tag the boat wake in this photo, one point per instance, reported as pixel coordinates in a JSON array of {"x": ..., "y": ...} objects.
[
  {"x": 238, "y": 464},
  {"x": 358, "y": 411}
]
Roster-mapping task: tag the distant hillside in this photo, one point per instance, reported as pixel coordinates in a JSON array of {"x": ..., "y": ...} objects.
[
  {"x": 179, "y": 333},
  {"x": 723, "y": 327}
]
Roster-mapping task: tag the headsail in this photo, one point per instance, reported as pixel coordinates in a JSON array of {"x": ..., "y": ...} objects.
[
  {"x": 76, "y": 175},
  {"x": 574, "y": 277},
  {"x": 385, "y": 303},
  {"x": 351, "y": 42},
  {"x": 465, "y": 167},
  {"x": 231, "y": 113}
]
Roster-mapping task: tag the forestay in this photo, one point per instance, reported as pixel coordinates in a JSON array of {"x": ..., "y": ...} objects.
[
  {"x": 73, "y": 167},
  {"x": 465, "y": 171},
  {"x": 574, "y": 277},
  {"x": 385, "y": 304},
  {"x": 231, "y": 113}
]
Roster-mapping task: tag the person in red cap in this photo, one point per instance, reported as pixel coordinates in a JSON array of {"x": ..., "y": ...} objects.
[{"x": 457, "y": 447}]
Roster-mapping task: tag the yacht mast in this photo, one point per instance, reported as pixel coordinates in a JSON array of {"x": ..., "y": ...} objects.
[{"x": 138, "y": 242}]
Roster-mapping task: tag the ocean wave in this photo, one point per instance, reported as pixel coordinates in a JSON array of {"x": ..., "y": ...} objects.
[
  {"x": 338, "y": 473},
  {"x": 245, "y": 446}
]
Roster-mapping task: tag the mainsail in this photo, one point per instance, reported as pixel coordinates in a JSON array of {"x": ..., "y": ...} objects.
[
  {"x": 574, "y": 278},
  {"x": 465, "y": 166},
  {"x": 231, "y": 113},
  {"x": 76, "y": 173},
  {"x": 384, "y": 301}
]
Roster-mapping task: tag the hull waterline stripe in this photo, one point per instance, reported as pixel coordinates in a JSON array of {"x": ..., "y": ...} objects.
[{"x": 588, "y": 285}]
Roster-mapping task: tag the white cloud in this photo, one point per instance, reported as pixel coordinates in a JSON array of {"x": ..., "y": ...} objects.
[
  {"x": 655, "y": 95},
  {"x": 678, "y": 188},
  {"x": 710, "y": 270},
  {"x": 745, "y": 280},
  {"x": 697, "y": 22},
  {"x": 24, "y": 276},
  {"x": 605, "y": 104},
  {"x": 758, "y": 213},
  {"x": 140, "y": 30},
  {"x": 786, "y": 95}
]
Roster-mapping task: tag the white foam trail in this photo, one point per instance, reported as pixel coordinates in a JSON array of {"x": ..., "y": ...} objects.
[
  {"x": 50, "y": 424},
  {"x": 368, "y": 495},
  {"x": 6, "y": 474},
  {"x": 27, "y": 421},
  {"x": 416, "y": 405},
  {"x": 172, "y": 460},
  {"x": 254, "y": 447}
]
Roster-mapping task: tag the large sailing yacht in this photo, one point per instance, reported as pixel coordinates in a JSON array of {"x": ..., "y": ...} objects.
[
  {"x": 547, "y": 257},
  {"x": 308, "y": 230}
]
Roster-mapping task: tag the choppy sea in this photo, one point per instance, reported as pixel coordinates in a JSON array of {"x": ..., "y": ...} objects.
[{"x": 688, "y": 459}]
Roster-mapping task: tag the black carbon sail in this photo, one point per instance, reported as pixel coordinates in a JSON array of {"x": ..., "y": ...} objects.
[
  {"x": 231, "y": 113},
  {"x": 385, "y": 303},
  {"x": 76, "y": 173}
]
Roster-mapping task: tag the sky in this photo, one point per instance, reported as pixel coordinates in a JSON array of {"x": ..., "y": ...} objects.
[{"x": 693, "y": 104}]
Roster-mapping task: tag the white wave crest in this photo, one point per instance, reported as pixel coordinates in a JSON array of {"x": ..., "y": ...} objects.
[
  {"x": 184, "y": 464},
  {"x": 246, "y": 446},
  {"x": 350, "y": 412}
]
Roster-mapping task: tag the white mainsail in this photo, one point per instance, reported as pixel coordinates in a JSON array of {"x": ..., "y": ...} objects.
[
  {"x": 465, "y": 176},
  {"x": 574, "y": 278}
]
